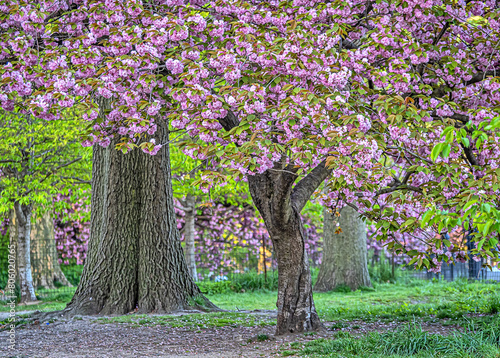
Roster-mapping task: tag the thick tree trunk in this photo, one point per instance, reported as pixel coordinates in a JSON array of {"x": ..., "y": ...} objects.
[
  {"x": 135, "y": 258},
  {"x": 44, "y": 258},
  {"x": 23, "y": 216},
  {"x": 189, "y": 231},
  {"x": 271, "y": 193},
  {"x": 344, "y": 261}
]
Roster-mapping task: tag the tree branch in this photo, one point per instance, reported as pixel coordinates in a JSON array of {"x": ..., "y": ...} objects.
[
  {"x": 182, "y": 208},
  {"x": 398, "y": 187},
  {"x": 459, "y": 117},
  {"x": 230, "y": 121},
  {"x": 478, "y": 77},
  {"x": 351, "y": 45},
  {"x": 52, "y": 171},
  {"x": 469, "y": 155},
  {"x": 443, "y": 30},
  {"x": 302, "y": 192},
  {"x": 77, "y": 180}
]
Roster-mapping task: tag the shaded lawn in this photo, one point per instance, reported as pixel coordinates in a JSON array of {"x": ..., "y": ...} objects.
[
  {"x": 391, "y": 320},
  {"x": 401, "y": 301}
]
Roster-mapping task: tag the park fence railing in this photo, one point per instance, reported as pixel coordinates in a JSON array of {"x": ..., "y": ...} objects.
[{"x": 54, "y": 275}]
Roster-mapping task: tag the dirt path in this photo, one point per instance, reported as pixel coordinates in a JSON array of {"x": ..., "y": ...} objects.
[{"x": 88, "y": 338}]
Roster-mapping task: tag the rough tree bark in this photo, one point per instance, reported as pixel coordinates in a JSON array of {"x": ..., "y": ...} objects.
[
  {"x": 44, "y": 257},
  {"x": 135, "y": 259},
  {"x": 23, "y": 218},
  {"x": 344, "y": 260},
  {"x": 280, "y": 202},
  {"x": 189, "y": 205}
]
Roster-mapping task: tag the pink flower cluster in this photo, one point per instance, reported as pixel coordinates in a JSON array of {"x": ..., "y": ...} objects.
[{"x": 369, "y": 86}]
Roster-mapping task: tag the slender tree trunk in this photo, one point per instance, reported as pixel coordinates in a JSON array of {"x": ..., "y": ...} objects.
[
  {"x": 344, "y": 260},
  {"x": 13, "y": 242},
  {"x": 135, "y": 258},
  {"x": 23, "y": 216},
  {"x": 264, "y": 258},
  {"x": 271, "y": 193},
  {"x": 474, "y": 266},
  {"x": 45, "y": 263},
  {"x": 189, "y": 232}
]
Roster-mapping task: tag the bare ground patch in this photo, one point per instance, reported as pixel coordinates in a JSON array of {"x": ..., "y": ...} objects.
[{"x": 86, "y": 337}]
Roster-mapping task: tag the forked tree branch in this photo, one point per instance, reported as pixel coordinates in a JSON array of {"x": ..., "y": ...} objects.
[{"x": 303, "y": 190}]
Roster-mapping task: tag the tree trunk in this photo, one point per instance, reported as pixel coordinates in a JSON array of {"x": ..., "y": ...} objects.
[
  {"x": 135, "y": 258},
  {"x": 474, "y": 266},
  {"x": 271, "y": 193},
  {"x": 23, "y": 216},
  {"x": 189, "y": 232},
  {"x": 44, "y": 257},
  {"x": 13, "y": 242},
  {"x": 344, "y": 261}
]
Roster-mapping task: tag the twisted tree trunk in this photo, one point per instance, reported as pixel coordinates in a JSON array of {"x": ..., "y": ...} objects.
[
  {"x": 135, "y": 259},
  {"x": 44, "y": 257},
  {"x": 23, "y": 216},
  {"x": 280, "y": 203},
  {"x": 344, "y": 261}
]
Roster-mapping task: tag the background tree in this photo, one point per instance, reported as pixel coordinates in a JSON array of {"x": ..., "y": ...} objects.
[
  {"x": 44, "y": 256},
  {"x": 37, "y": 160},
  {"x": 344, "y": 259}
]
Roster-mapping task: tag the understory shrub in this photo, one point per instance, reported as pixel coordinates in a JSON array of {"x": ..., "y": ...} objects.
[
  {"x": 210, "y": 287},
  {"x": 73, "y": 272},
  {"x": 242, "y": 282}
]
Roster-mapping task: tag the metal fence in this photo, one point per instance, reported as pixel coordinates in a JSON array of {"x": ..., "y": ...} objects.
[
  {"x": 53, "y": 278},
  {"x": 471, "y": 270}
]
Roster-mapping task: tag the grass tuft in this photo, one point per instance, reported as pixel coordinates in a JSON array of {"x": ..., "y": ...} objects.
[{"x": 409, "y": 341}]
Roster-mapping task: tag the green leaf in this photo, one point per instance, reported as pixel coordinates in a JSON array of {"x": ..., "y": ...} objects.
[
  {"x": 446, "y": 150},
  {"x": 436, "y": 151},
  {"x": 425, "y": 219}
]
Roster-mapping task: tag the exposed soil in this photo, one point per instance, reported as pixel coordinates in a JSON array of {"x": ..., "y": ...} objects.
[{"x": 85, "y": 337}]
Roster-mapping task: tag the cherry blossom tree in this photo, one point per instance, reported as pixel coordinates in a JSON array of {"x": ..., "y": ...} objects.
[
  {"x": 425, "y": 80},
  {"x": 72, "y": 227},
  {"x": 395, "y": 101}
]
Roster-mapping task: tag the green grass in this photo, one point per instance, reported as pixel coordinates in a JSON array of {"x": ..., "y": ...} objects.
[
  {"x": 194, "y": 321},
  {"x": 474, "y": 307},
  {"x": 428, "y": 300},
  {"x": 448, "y": 303},
  {"x": 49, "y": 300},
  {"x": 475, "y": 340}
]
